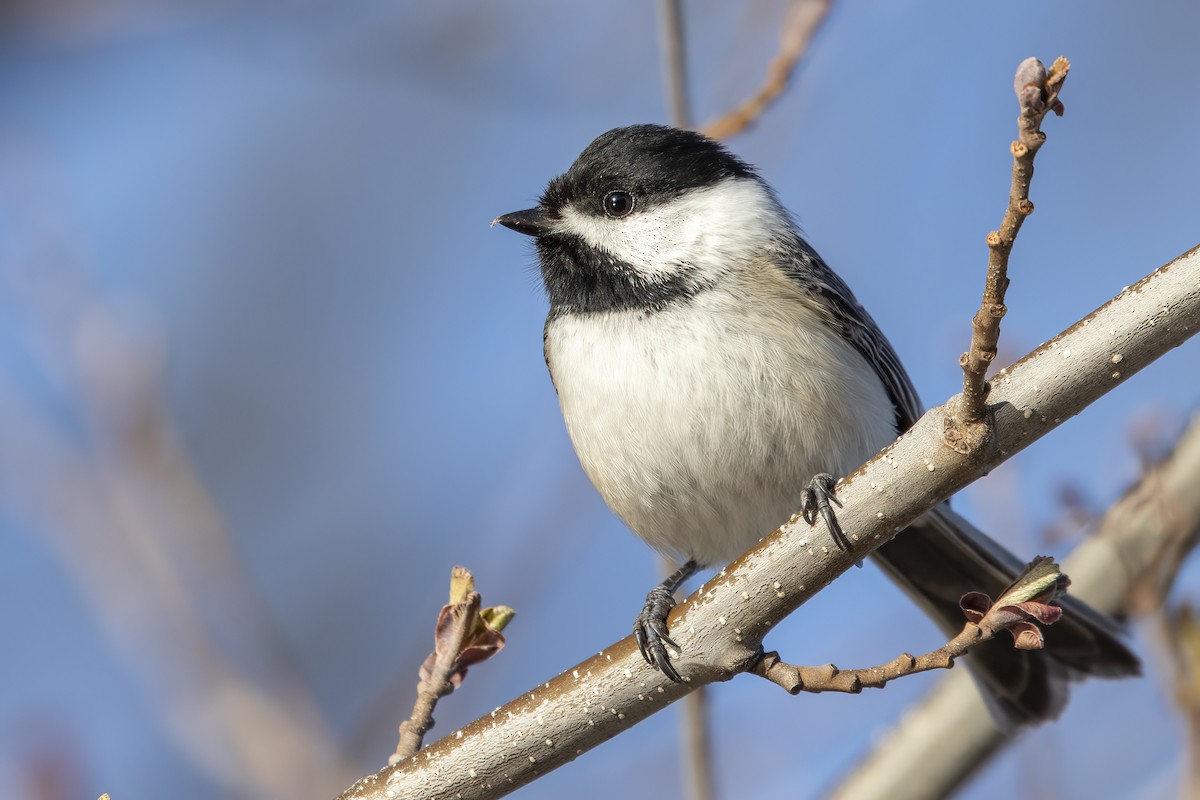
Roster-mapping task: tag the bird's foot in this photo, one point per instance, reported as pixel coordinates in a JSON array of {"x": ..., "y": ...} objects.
[
  {"x": 650, "y": 627},
  {"x": 650, "y": 630},
  {"x": 819, "y": 498}
]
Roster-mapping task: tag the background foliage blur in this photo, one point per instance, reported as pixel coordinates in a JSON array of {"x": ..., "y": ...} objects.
[{"x": 266, "y": 373}]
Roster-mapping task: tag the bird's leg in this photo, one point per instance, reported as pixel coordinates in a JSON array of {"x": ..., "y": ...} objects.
[
  {"x": 650, "y": 627},
  {"x": 819, "y": 498}
]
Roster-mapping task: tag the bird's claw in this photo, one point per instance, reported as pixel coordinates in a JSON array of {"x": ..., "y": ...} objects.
[
  {"x": 819, "y": 498},
  {"x": 650, "y": 630}
]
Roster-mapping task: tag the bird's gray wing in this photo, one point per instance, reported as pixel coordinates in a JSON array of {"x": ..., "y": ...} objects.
[{"x": 851, "y": 320}]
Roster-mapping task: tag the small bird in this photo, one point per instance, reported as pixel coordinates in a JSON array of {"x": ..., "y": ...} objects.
[{"x": 714, "y": 375}]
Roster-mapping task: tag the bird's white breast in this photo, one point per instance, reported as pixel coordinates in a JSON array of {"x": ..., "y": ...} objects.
[{"x": 701, "y": 424}]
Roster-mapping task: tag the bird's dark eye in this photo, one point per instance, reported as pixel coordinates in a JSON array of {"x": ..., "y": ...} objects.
[{"x": 618, "y": 204}]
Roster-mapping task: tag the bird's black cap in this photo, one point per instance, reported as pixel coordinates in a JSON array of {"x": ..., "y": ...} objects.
[{"x": 654, "y": 162}]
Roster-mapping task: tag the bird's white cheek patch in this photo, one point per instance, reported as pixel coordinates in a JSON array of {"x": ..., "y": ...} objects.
[{"x": 703, "y": 228}]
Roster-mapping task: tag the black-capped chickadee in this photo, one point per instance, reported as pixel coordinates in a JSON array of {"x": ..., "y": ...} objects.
[{"x": 709, "y": 365}]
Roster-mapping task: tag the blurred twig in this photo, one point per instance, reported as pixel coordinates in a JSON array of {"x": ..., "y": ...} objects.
[
  {"x": 803, "y": 19},
  {"x": 695, "y": 725},
  {"x": 1173, "y": 626},
  {"x": 699, "y": 765},
  {"x": 1176, "y": 634},
  {"x": 674, "y": 61},
  {"x": 695, "y": 732}
]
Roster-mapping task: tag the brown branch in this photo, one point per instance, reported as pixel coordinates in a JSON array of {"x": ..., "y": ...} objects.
[
  {"x": 1037, "y": 92},
  {"x": 437, "y": 685},
  {"x": 1026, "y": 601},
  {"x": 803, "y": 19},
  {"x": 695, "y": 732},
  {"x": 828, "y": 678},
  {"x": 697, "y": 745}
]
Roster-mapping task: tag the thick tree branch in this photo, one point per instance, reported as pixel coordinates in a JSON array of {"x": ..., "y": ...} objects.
[
  {"x": 720, "y": 628},
  {"x": 949, "y": 735}
]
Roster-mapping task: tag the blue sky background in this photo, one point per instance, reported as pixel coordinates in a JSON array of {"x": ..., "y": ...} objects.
[{"x": 273, "y": 217}]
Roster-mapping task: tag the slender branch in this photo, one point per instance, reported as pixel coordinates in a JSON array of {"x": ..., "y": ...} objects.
[
  {"x": 1037, "y": 93},
  {"x": 465, "y": 634},
  {"x": 695, "y": 732},
  {"x": 949, "y": 735},
  {"x": 697, "y": 745},
  {"x": 803, "y": 19},
  {"x": 674, "y": 56},
  {"x": 1026, "y": 601},
  {"x": 828, "y": 678},
  {"x": 720, "y": 628},
  {"x": 438, "y": 684}
]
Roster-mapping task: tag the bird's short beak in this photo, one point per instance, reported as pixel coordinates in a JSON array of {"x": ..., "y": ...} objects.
[{"x": 531, "y": 222}]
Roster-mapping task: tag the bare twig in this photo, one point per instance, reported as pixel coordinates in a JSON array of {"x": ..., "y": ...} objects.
[
  {"x": 437, "y": 685},
  {"x": 697, "y": 745},
  {"x": 695, "y": 735},
  {"x": 1026, "y": 601},
  {"x": 720, "y": 628},
  {"x": 695, "y": 732},
  {"x": 674, "y": 56},
  {"x": 946, "y": 738},
  {"x": 465, "y": 634},
  {"x": 1037, "y": 92},
  {"x": 803, "y": 19}
]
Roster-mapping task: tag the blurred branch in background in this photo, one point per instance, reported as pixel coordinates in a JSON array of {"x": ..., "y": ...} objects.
[
  {"x": 804, "y": 18},
  {"x": 98, "y": 469},
  {"x": 1176, "y": 634},
  {"x": 1172, "y": 624},
  {"x": 1128, "y": 564},
  {"x": 695, "y": 722},
  {"x": 674, "y": 63}
]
